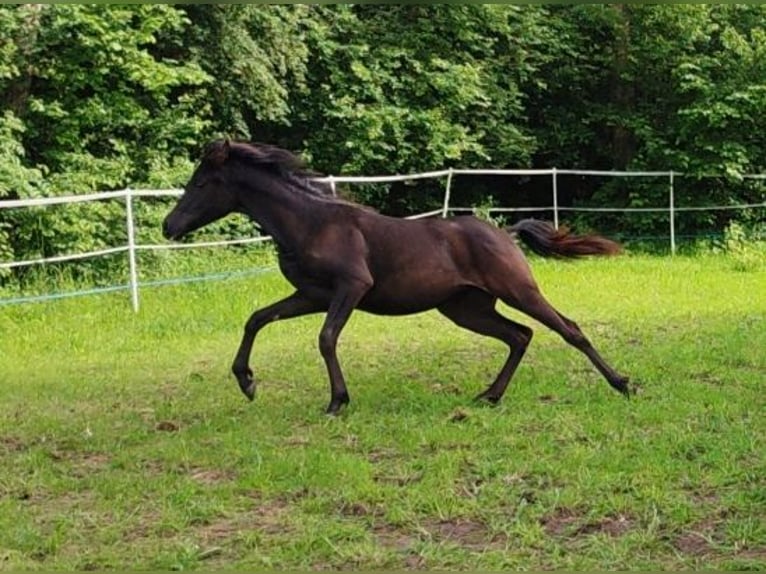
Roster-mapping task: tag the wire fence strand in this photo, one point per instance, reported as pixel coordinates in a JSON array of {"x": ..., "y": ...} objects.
[{"x": 132, "y": 246}]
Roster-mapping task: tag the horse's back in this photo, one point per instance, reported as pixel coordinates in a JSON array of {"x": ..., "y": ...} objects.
[{"x": 419, "y": 264}]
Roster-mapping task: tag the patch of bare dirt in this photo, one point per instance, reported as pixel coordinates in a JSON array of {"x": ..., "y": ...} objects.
[
  {"x": 753, "y": 553},
  {"x": 470, "y": 488},
  {"x": 693, "y": 544},
  {"x": 266, "y": 518},
  {"x": 218, "y": 531},
  {"x": 151, "y": 467},
  {"x": 361, "y": 509},
  {"x": 613, "y": 526},
  {"x": 464, "y": 532},
  {"x": 80, "y": 464},
  {"x": 702, "y": 540},
  {"x": 144, "y": 527},
  {"x": 415, "y": 562},
  {"x": 211, "y": 477},
  {"x": 571, "y": 522},
  {"x": 704, "y": 497},
  {"x": 399, "y": 479},
  {"x": 561, "y": 522},
  {"x": 85, "y": 464},
  {"x": 9, "y": 444},
  {"x": 394, "y": 537},
  {"x": 447, "y": 389},
  {"x": 297, "y": 440},
  {"x": 459, "y": 415},
  {"x": 167, "y": 426},
  {"x": 709, "y": 378},
  {"x": 698, "y": 539},
  {"x": 382, "y": 454}
]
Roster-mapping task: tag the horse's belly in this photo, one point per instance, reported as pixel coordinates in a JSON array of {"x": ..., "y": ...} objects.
[
  {"x": 410, "y": 290},
  {"x": 386, "y": 301}
]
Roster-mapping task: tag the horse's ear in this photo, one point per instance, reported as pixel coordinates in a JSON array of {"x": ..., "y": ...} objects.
[{"x": 220, "y": 153}]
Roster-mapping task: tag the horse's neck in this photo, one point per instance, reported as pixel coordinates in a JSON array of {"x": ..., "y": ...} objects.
[{"x": 283, "y": 213}]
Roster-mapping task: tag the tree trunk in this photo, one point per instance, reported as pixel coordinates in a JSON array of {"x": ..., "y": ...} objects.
[
  {"x": 623, "y": 91},
  {"x": 26, "y": 39}
]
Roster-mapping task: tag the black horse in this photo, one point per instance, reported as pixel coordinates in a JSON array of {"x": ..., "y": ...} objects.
[{"x": 341, "y": 256}]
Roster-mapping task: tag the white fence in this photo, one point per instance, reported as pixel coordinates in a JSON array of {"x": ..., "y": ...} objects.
[{"x": 132, "y": 247}]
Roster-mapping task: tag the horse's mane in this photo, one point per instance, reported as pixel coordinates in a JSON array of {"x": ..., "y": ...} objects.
[{"x": 283, "y": 162}]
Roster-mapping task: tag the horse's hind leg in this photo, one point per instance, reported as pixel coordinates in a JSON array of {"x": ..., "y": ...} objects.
[
  {"x": 475, "y": 311},
  {"x": 617, "y": 381},
  {"x": 532, "y": 302}
]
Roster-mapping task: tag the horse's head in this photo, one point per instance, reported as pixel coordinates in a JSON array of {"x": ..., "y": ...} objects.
[{"x": 206, "y": 198}]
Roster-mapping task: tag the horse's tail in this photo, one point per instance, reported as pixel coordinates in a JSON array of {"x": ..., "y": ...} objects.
[{"x": 544, "y": 239}]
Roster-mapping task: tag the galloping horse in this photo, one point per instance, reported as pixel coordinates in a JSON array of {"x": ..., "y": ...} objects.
[{"x": 340, "y": 256}]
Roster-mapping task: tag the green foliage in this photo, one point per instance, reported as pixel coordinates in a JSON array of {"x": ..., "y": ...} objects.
[
  {"x": 122, "y": 105},
  {"x": 484, "y": 211},
  {"x": 405, "y": 88},
  {"x": 723, "y": 94},
  {"x": 409, "y": 101},
  {"x": 657, "y": 87},
  {"x": 257, "y": 55},
  {"x": 16, "y": 180},
  {"x": 100, "y": 103},
  {"x": 746, "y": 247},
  {"x": 100, "y": 97}
]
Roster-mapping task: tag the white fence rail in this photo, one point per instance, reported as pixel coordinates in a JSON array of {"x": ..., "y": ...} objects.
[{"x": 132, "y": 247}]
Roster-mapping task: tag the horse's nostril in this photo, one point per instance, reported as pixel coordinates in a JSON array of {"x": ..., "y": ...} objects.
[{"x": 166, "y": 230}]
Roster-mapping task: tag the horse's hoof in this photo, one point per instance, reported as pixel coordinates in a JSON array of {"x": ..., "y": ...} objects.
[
  {"x": 622, "y": 386},
  {"x": 487, "y": 399},
  {"x": 336, "y": 405},
  {"x": 333, "y": 410},
  {"x": 249, "y": 391},
  {"x": 246, "y": 382}
]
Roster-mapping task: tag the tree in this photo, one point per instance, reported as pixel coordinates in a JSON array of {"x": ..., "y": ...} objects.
[
  {"x": 93, "y": 102},
  {"x": 402, "y": 88},
  {"x": 106, "y": 107},
  {"x": 654, "y": 87},
  {"x": 257, "y": 57}
]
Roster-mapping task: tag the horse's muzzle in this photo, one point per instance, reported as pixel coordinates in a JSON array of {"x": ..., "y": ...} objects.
[{"x": 167, "y": 232}]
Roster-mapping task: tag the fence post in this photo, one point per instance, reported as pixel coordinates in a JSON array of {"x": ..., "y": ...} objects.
[
  {"x": 555, "y": 198},
  {"x": 672, "y": 217},
  {"x": 447, "y": 191},
  {"x": 131, "y": 249},
  {"x": 331, "y": 179}
]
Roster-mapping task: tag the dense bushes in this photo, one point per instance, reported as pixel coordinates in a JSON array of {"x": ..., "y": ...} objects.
[{"x": 98, "y": 97}]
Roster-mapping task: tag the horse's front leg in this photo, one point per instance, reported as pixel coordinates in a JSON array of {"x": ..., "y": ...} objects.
[
  {"x": 295, "y": 305},
  {"x": 343, "y": 303}
]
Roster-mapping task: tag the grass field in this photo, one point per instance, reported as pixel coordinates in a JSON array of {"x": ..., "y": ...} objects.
[{"x": 125, "y": 442}]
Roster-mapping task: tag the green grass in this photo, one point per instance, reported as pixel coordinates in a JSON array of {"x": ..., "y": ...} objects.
[{"x": 125, "y": 442}]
